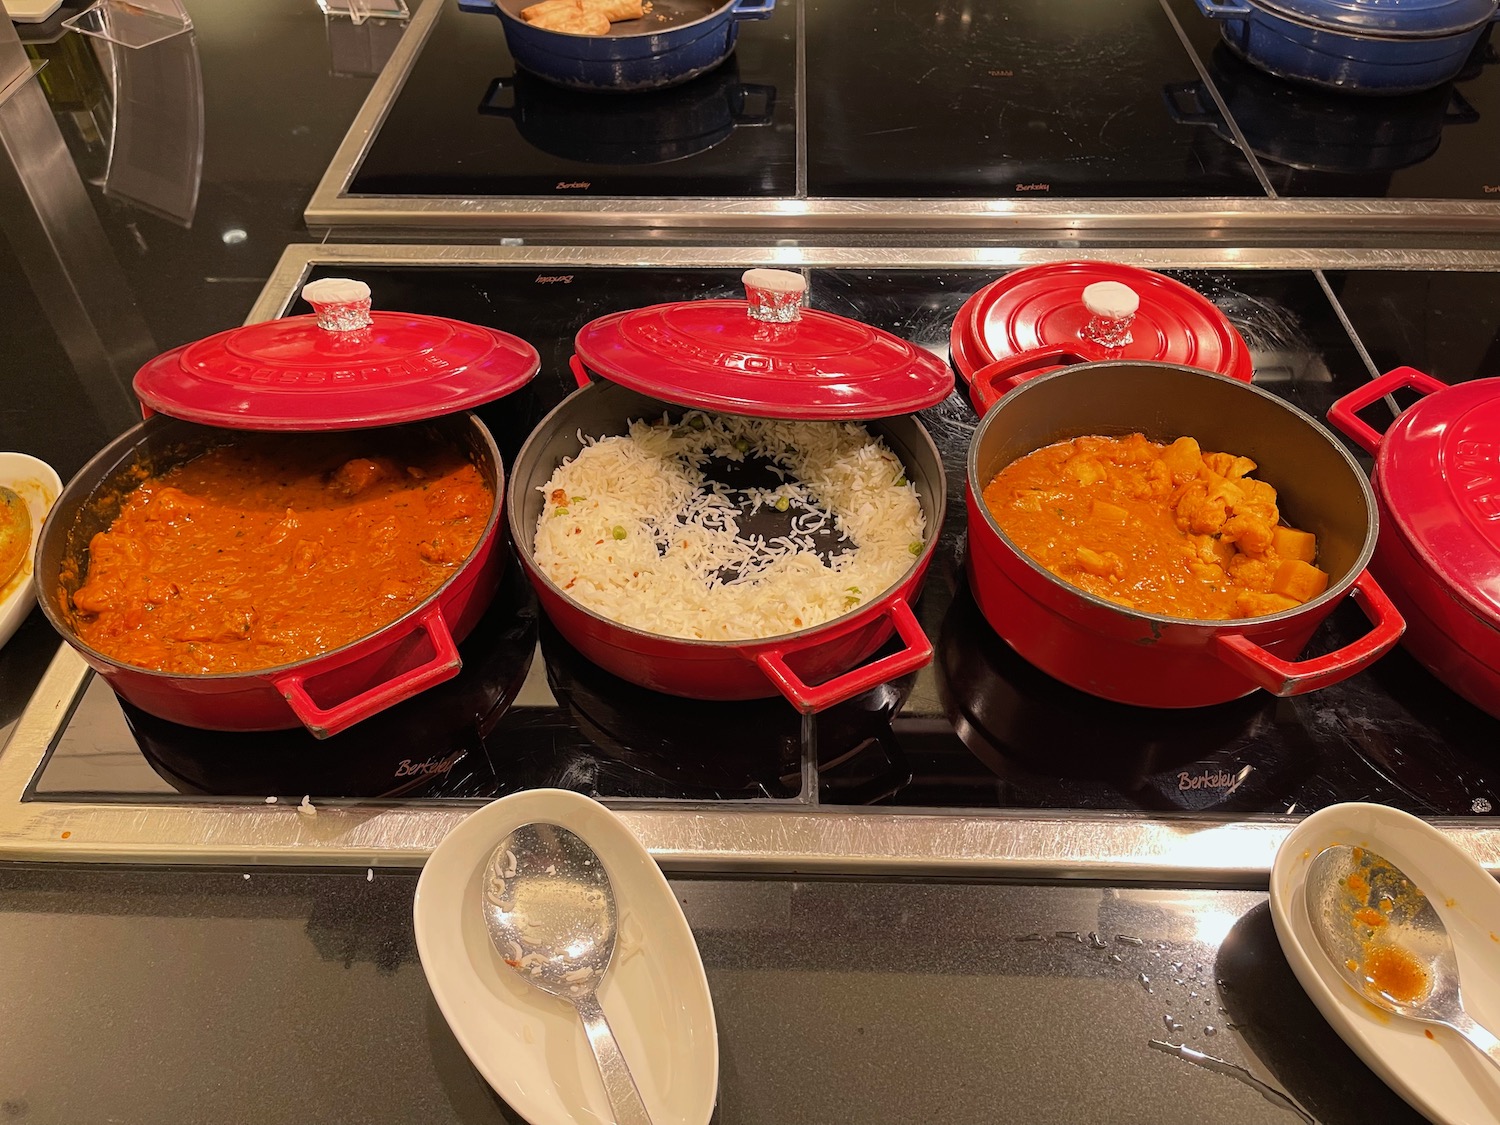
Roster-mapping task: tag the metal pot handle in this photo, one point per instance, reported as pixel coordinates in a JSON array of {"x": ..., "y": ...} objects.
[
  {"x": 496, "y": 88},
  {"x": 752, "y": 9},
  {"x": 1225, "y": 9},
  {"x": 1343, "y": 413},
  {"x": 916, "y": 654},
  {"x": 480, "y": 6},
  {"x": 990, "y": 383},
  {"x": 768, "y": 104},
  {"x": 322, "y": 722},
  {"x": 1293, "y": 677}
]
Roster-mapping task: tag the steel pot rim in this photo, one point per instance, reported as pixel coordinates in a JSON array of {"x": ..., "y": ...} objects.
[
  {"x": 1156, "y": 621},
  {"x": 524, "y": 541},
  {"x": 139, "y": 433}
]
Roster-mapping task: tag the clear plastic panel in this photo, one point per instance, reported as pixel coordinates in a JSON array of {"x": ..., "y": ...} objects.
[
  {"x": 360, "y": 10},
  {"x": 136, "y": 24}
]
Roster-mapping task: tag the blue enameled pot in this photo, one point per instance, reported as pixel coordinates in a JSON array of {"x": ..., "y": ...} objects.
[{"x": 1356, "y": 46}]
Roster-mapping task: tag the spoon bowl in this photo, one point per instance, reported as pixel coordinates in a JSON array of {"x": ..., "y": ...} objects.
[
  {"x": 550, "y": 912},
  {"x": 1384, "y": 937}
]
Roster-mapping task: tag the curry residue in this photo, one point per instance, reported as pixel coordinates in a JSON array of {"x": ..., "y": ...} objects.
[
  {"x": 1395, "y": 972},
  {"x": 1165, "y": 529},
  {"x": 274, "y": 549}
]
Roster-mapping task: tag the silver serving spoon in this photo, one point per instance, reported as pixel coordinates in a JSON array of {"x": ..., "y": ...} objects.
[
  {"x": 1384, "y": 937},
  {"x": 550, "y": 912}
]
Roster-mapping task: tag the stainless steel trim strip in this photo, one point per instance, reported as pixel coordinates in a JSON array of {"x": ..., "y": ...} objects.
[{"x": 746, "y": 836}]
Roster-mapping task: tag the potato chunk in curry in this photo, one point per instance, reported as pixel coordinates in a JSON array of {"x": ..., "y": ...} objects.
[{"x": 1165, "y": 529}]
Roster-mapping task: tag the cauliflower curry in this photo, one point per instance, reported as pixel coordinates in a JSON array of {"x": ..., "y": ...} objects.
[{"x": 1165, "y": 529}]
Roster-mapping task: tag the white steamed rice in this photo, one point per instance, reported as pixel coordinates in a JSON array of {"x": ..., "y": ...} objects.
[{"x": 629, "y": 529}]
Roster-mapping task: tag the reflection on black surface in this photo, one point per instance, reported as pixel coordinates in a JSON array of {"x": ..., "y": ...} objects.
[
  {"x": 1013, "y": 718},
  {"x": 1323, "y": 131},
  {"x": 1027, "y": 99},
  {"x": 1269, "y": 1010},
  {"x": 469, "y": 123},
  {"x": 650, "y": 745},
  {"x": 651, "y": 127},
  {"x": 1446, "y": 324},
  {"x": 430, "y": 745}
]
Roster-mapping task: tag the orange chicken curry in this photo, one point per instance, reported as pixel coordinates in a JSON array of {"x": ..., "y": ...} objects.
[
  {"x": 1164, "y": 529},
  {"x": 277, "y": 548}
]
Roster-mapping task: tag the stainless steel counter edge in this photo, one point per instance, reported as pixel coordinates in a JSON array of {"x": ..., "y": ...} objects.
[
  {"x": 749, "y": 837},
  {"x": 331, "y": 206},
  {"x": 741, "y": 838}
]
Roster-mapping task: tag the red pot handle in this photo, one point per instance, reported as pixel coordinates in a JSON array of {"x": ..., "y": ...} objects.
[
  {"x": 323, "y": 722},
  {"x": 809, "y": 699},
  {"x": 990, "y": 383},
  {"x": 1343, "y": 412},
  {"x": 580, "y": 372},
  {"x": 1293, "y": 677}
]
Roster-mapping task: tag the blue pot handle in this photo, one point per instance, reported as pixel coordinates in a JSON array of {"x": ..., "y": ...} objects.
[
  {"x": 480, "y": 6},
  {"x": 752, "y": 9},
  {"x": 1225, "y": 9}
]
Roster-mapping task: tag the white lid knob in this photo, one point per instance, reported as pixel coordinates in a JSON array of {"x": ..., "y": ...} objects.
[
  {"x": 1112, "y": 299},
  {"x": 335, "y": 291},
  {"x": 776, "y": 281}
]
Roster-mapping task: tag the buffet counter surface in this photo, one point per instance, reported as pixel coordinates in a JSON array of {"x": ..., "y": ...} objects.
[{"x": 191, "y": 961}]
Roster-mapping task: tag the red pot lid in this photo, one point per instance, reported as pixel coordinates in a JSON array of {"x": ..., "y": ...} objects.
[
  {"x": 343, "y": 367},
  {"x": 766, "y": 356},
  {"x": 1045, "y": 307},
  {"x": 1438, "y": 469}
]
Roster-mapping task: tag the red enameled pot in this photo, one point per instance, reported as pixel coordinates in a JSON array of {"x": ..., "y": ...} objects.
[
  {"x": 345, "y": 367},
  {"x": 1438, "y": 492},
  {"x": 1148, "y": 659},
  {"x": 325, "y": 693},
  {"x": 814, "y": 668}
]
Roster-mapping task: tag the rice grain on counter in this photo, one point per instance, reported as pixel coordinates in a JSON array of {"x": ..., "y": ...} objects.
[{"x": 632, "y": 529}]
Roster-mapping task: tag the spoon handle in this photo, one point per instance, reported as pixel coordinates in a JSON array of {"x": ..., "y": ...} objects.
[
  {"x": 1477, "y": 1034},
  {"x": 624, "y": 1098}
]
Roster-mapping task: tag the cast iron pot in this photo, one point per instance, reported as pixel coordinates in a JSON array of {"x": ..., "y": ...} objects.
[
  {"x": 1453, "y": 634},
  {"x": 815, "y": 668},
  {"x": 651, "y": 128},
  {"x": 325, "y": 693},
  {"x": 1148, "y": 659},
  {"x": 677, "y": 40},
  {"x": 1319, "y": 130},
  {"x": 1367, "y": 49}
]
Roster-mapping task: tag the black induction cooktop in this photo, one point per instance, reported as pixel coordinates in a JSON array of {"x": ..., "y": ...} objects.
[
  {"x": 979, "y": 728},
  {"x": 951, "y": 100}
]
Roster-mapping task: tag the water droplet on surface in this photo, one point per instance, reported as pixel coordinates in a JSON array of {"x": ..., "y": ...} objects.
[
  {"x": 1145, "y": 981},
  {"x": 1031, "y": 937},
  {"x": 1117, "y": 959},
  {"x": 1095, "y": 941},
  {"x": 1210, "y": 1029},
  {"x": 1172, "y": 1024},
  {"x": 1126, "y": 939},
  {"x": 1481, "y": 804}
]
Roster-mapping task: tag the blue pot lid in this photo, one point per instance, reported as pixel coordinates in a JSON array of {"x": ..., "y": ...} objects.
[{"x": 1386, "y": 19}]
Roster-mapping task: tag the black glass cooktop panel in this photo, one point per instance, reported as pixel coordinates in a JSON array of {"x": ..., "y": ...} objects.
[
  {"x": 469, "y": 123},
  {"x": 1025, "y": 99},
  {"x": 1446, "y": 324},
  {"x": 1441, "y": 144},
  {"x": 979, "y": 728}
]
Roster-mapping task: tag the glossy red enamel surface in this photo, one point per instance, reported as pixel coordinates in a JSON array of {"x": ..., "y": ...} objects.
[
  {"x": 1042, "y": 307},
  {"x": 714, "y": 355},
  {"x": 1438, "y": 471},
  {"x": 292, "y": 374}
]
